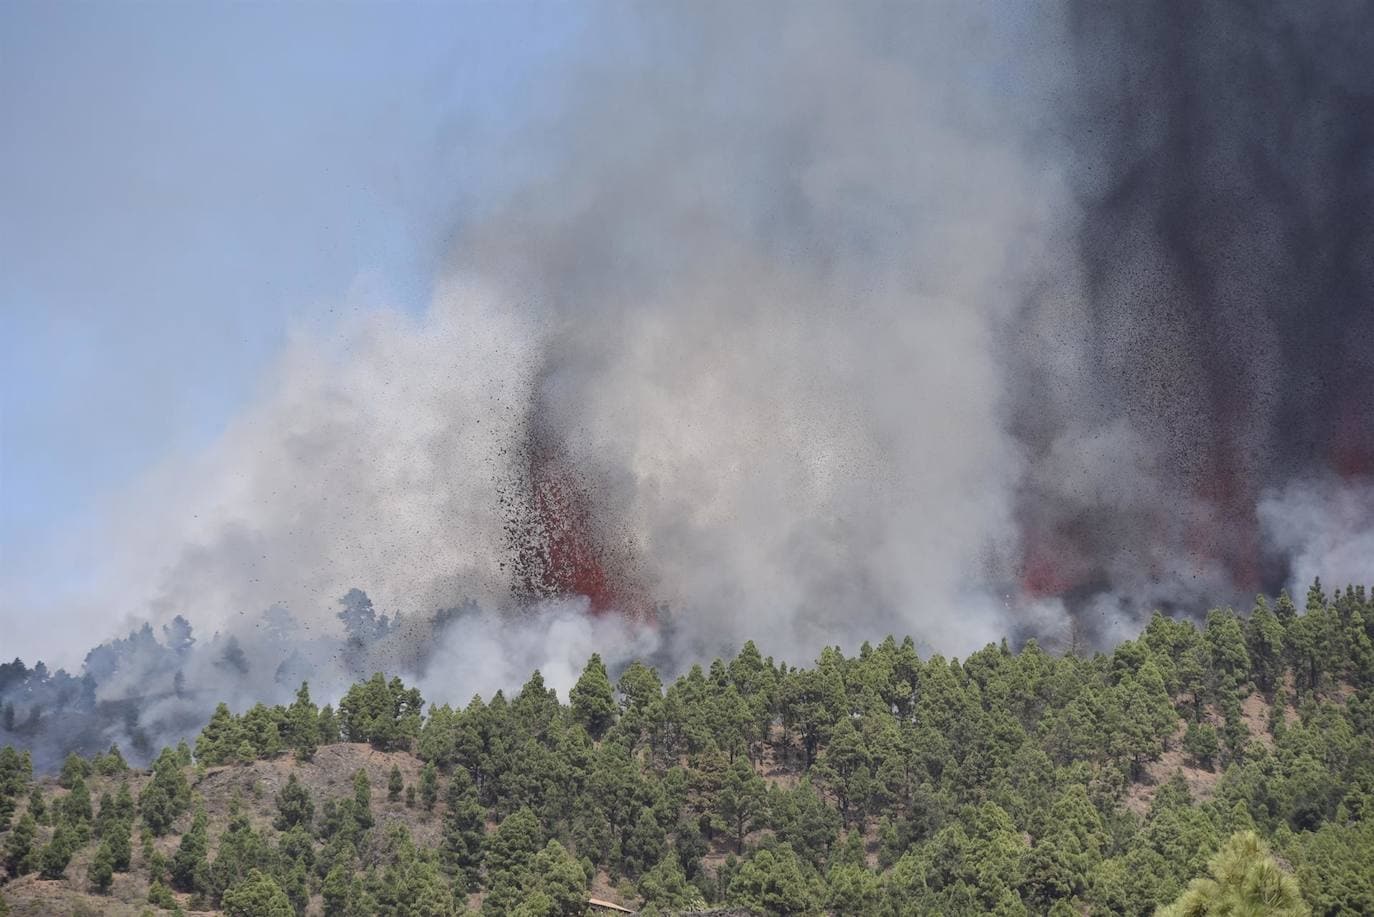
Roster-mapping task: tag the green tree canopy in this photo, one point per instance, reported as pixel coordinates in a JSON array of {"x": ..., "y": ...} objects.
[
  {"x": 1244, "y": 881},
  {"x": 257, "y": 895},
  {"x": 593, "y": 700}
]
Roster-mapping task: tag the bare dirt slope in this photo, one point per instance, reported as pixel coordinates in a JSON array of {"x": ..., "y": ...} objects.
[{"x": 1255, "y": 713}]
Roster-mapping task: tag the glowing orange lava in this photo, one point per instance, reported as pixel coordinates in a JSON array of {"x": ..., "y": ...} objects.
[{"x": 564, "y": 550}]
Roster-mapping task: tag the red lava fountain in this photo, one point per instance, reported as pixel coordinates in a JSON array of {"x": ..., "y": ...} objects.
[{"x": 561, "y": 544}]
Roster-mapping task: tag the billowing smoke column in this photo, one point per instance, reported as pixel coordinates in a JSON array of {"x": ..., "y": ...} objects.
[
  {"x": 818, "y": 323},
  {"x": 768, "y": 276},
  {"x": 1227, "y": 297}
]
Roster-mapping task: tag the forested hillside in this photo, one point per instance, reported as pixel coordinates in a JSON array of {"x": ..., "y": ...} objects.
[{"x": 1193, "y": 769}]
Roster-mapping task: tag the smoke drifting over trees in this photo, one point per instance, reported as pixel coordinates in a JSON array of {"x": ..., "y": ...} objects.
[{"x": 823, "y": 323}]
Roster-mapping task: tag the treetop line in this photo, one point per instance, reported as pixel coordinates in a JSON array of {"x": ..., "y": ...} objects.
[{"x": 1184, "y": 771}]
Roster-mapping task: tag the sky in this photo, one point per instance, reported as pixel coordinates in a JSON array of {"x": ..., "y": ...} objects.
[{"x": 186, "y": 184}]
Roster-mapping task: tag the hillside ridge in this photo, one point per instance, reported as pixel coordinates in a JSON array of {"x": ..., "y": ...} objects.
[{"x": 881, "y": 783}]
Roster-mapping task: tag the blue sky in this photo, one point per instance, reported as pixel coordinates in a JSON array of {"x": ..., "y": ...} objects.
[{"x": 184, "y": 183}]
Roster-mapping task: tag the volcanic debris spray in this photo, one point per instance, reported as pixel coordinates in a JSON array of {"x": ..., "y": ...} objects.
[
  {"x": 558, "y": 545},
  {"x": 820, "y": 322}
]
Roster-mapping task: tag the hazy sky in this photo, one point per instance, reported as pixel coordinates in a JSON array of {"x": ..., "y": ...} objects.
[{"x": 183, "y": 184}]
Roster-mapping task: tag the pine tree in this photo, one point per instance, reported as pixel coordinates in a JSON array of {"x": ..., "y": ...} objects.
[
  {"x": 387, "y": 715},
  {"x": 296, "y": 884},
  {"x": 294, "y": 806},
  {"x": 261, "y": 729},
  {"x": 1316, "y": 596},
  {"x": 1245, "y": 879},
  {"x": 514, "y": 844},
  {"x": 593, "y": 699},
  {"x": 337, "y": 890},
  {"x": 258, "y": 895},
  {"x": 19, "y": 846},
  {"x": 665, "y": 887},
  {"x": 76, "y": 807},
  {"x": 1226, "y": 643},
  {"x": 741, "y": 800},
  {"x": 772, "y": 882},
  {"x": 642, "y": 846},
  {"x": 73, "y": 768},
  {"x": 463, "y": 832},
  {"x": 845, "y": 766},
  {"x": 429, "y": 786},
  {"x": 297, "y": 846},
  {"x": 53, "y": 860},
  {"x": 999, "y": 785},
  {"x": 362, "y": 800},
  {"x": 1264, "y": 641},
  {"x": 112, "y": 763},
  {"x": 38, "y": 806},
  {"x": 1284, "y": 609},
  {"x": 853, "y": 890},
  {"x": 166, "y": 796},
  {"x": 190, "y": 866},
  {"x": 560, "y": 878},
  {"x": 303, "y": 725},
  {"x": 120, "y": 840},
  {"x": 219, "y": 741},
  {"x": 329, "y": 725},
  {"x": 101, "y": 871},
  {"x": 640, "y": 687},
  {"x": 240, "y": 850},
  {"x": 124, "y": 803},
  {"x": 161, "y": 896},
  {"x": 1200, "y": 741},
  {"x": 104, "y": 815}
]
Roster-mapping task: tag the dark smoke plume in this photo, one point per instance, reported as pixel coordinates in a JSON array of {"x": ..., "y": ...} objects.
[{"x": 1226, "y": 178}]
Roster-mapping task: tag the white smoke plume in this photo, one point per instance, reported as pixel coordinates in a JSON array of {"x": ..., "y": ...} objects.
[
  {"x": 1326, "y": 527},
  {"x": 758, "y": 303}
]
